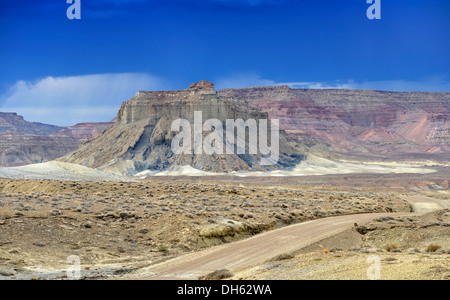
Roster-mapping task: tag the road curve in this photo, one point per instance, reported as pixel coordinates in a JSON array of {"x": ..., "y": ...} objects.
[
  {"x": 255, "y": 250},
  {"x": 424, "y": 204}
]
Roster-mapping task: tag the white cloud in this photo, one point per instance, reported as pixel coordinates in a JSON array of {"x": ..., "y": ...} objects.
[
  {"x": 69, "y": 100},
  {"x": 242, "y": 80},
  {"x": 430, "y": 84},
  {"x": 317, "y": 85}
]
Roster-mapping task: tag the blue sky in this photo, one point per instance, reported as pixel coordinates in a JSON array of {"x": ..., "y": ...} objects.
[{"x": 62, "y": 71}]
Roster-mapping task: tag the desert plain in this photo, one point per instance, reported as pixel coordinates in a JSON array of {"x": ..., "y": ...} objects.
[{"x": 130, "y": 229}]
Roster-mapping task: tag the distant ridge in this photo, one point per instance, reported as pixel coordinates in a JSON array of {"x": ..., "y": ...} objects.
[
  {"x": 360, "y": 124},
  {"x": 14, "y": 123},
  {"x": 23, "y": 142}
]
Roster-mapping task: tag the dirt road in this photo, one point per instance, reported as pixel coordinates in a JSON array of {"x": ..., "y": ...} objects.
[
  {"x": 421, "y": 203},
  {"x": 257, "y": 249}
]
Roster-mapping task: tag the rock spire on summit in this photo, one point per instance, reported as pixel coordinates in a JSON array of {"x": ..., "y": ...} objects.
[{"x": 204, "y": 84}]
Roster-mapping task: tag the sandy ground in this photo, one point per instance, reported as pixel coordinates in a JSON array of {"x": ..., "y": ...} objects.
[
  {"x": 312, "y": 166},
  {"x": 394, "y": 250},
  {"x": 119, "y": 229},
  {"x": 55, "y": 170},
  {"x": 257, "y": 249}
]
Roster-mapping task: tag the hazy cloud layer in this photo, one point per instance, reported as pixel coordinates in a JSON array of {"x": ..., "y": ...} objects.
[
  {"x": 75, "y": 99},
  {"x": 242, "y": 80},
  {"x": 431, "y": 84}
]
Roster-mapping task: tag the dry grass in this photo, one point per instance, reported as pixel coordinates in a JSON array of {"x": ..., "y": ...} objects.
[
  {"x": 217, "y": 275},
  {"x": 390, "y": 246},
  {"x": 281, "y": 257},
  {"x": 163, "y": 248},
  {"x": 433, "y": 248}
]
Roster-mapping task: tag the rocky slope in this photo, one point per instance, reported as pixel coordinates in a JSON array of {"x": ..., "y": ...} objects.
[
  {"x": 18, "y": 149},
  {"x": 359, "y": 123},
  {"x": 23, "y": 142},
  {"x": 141, "y": 138},
  {"x": 15, "y": 123}
]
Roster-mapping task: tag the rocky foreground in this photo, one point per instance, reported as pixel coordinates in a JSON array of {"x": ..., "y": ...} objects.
[
  {"x": 118, "y": 228},
  {"x": 389, "y": 248}
]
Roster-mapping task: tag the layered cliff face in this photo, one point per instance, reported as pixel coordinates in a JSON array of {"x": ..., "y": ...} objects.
[
  {"x": 358, "y": 123},
  {"x": 366, "y": 125},
  {"x": 23, "y": 142},
  {"x": 18, "y": 149},
  {"x": 14, "y": 123},
  {"x": 83, "y": 131},
  {"x": 141, "y": 138}
]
